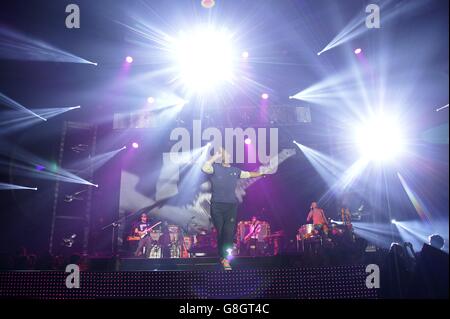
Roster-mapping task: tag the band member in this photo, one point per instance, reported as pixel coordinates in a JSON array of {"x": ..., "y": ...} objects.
[
  {"x": 318, "y": 218},
  {"x": 138, "y": 230},
  {"x": 253, "y": 247},
  {"x": 346, "y": 217},
  {"x": 224, "y": 202}
]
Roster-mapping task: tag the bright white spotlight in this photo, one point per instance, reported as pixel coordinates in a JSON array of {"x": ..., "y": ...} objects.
[
  {"x": 393, "y": 221},
  {"x": 204, "y": 58},
  {"x": 379, "y": 139},
  {"x": 245, "y": 54},
  {"x": 181, "y": 103}
]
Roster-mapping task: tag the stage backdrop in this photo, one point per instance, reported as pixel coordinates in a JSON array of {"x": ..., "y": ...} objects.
[{"x": 179, "y": 193}]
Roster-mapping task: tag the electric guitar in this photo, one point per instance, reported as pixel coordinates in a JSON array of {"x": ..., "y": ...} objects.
[
  {"x": 249, "y": 235},
  {"x": 144, "y": 233}
]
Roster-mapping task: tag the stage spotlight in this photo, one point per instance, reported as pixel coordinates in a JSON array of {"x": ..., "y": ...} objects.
[
  {"x": 96, "y": 185},
  {"x": 393, "y": 221},
  {"x": 230, "y": 254},
  {"x": 358, "y": 51},
  {"x": 204, "y": 58},
  {"x": 245, "y": 54},
  {"x": 208, "y": 4},
  {"x": 150, "y": 99},
  {"x": 181, "y": 103},
  {"x": 5, "y": 186},
  {"x": 264, "y": 96},
  {"x": 135, "y": 145},
  {"x": 442, "y": 108},
  {"x": 379, "y": 139},
  {"x": 129, "y": 59},
  {"x": 95, "y": 63},
  {"x": 248, "y": 141}
]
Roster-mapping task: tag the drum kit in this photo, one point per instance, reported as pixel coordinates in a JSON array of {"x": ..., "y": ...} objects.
[
  {"x": 311, "y": 236},
  {"x": 169, "y": 244}
]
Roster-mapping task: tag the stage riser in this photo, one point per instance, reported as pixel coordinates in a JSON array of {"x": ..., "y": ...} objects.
[{"x": 295, "y": 283}]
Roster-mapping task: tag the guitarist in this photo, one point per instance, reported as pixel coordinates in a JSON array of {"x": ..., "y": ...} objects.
[
  {"x": 139, "y": 230},
  {"x": 251, "y": 239},
  {"x": 224, "y": 203}
]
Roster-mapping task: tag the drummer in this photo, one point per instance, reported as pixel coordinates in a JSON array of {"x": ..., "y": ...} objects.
[{"x": 318, "y": 218}]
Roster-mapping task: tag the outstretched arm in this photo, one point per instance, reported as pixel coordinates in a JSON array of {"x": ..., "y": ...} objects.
[
  {"x": 207, "y": 166},
  {"x": 245, "y": 174}
]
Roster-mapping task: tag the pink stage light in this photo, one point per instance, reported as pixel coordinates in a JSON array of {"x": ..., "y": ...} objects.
[
  {"x": 135, "y": 145},
  {"x": 358, "y": 51},
  {"x": 129, "y": 59},
  {"x": 248, "y": 141}
]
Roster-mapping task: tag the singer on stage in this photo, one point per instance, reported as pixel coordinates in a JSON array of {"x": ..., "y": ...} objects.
[{"x": 224, "y": 203}]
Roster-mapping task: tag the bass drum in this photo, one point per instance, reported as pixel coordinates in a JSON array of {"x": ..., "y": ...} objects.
[{"x": 155, "y": 252}]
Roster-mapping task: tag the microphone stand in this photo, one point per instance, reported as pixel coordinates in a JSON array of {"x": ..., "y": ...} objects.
[{"x": 115, "y": 226}]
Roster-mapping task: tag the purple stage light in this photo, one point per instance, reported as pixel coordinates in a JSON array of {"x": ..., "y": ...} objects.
[
  {"x": 248, "y": 141},
  {"x": 358, "y": 51},
  {"x": 40, "y": 167},
  {"x": 135, "y": 145},
  {"x": 129, "y": 59},
  {"x": 264, "y": 96}
]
